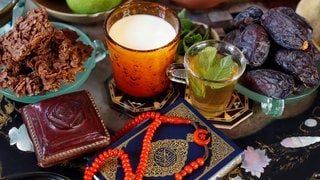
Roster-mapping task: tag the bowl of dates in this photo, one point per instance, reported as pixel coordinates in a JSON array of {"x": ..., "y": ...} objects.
[{"x": 282, "y": 61}]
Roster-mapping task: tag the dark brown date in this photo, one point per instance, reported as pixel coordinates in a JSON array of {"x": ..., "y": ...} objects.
[
  {"x": 300, "y": 64},
  {"x": 248, "y": 16},
  {"x": 233, "y": 37},
  {"x": 253, "y": 41},
  {"x": 287, "y": 28},
  {"x": 269, "y": 82}
]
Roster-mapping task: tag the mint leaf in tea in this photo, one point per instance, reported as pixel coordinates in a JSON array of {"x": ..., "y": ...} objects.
[{"x": 213, "y": 66}]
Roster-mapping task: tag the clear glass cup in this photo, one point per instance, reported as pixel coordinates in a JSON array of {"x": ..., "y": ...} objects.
[
  {"x": 215, "y": 95},
  {"x": 141, "y": 72}
]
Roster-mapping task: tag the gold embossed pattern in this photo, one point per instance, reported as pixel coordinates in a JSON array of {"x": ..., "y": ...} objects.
[{"x": 167, "y": 157}]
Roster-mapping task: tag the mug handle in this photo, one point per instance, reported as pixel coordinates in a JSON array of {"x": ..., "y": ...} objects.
[
  {"x": 101, "y": 51},
  {"x": 177, "y": 73}
]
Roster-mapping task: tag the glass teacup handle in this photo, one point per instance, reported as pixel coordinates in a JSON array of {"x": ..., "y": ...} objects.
[
  {"x": 101, "y": 51},
  {"x": 273, "y": 107},
  {"x": 177, "y": 73}
]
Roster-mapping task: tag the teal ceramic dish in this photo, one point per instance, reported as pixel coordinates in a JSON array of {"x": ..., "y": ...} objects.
[
  {"x": 99, "y": 52},
  {"x": 6, "y": 9},
  {"x": 10, "y": 10}
]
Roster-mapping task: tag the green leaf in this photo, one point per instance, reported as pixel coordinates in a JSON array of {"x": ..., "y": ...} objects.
[
  {"x": 213, "y": 68},
  {"x": 197, "y": 87},
  {"x": 186, "y": 23},
  {"x": 207, "y": 56},
  {"x": 190, "y": 33},
  {"x": 191, "y": 39},
  {"x": 221, "y": 69},
  {"x": 182, "y": 14}
]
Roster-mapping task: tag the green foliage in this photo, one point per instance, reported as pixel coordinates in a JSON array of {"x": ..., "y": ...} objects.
[{"x": 190, "y": 33}]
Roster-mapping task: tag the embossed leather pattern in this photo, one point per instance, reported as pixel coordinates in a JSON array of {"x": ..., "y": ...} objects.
[{"x": 64, "y": 127}]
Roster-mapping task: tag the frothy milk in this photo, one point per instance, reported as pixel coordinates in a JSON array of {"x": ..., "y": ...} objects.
[{"x": 142, "y": 32}]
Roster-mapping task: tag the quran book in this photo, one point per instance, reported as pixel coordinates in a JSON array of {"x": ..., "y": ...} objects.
[{"x": 172, "y": 148}]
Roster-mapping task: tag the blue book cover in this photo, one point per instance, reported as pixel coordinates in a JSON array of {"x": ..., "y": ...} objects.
[{"x": 172, "y": 148}]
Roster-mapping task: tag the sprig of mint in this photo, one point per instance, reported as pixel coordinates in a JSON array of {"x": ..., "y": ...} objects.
[
  {"x": 211, "y": 67},
  {"x": 189, "y": 33}
]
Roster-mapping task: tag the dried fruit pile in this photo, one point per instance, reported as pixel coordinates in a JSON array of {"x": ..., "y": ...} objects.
[
  {"x": 281, "y": 58},
  {"x": 36, "y": 57}
]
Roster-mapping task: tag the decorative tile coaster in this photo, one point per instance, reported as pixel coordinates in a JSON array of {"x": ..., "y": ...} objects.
[
  {"x": 238, "y": 110},
  {"x": 133, "y": 106}
]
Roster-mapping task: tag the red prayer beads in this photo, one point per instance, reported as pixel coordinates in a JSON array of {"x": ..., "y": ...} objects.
[
  {"x": 189, "y": 168},
  {"x": 199, "y": 138}
]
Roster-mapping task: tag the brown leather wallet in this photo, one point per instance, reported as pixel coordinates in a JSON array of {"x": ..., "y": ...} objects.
[{"x": 64, "y": 127}]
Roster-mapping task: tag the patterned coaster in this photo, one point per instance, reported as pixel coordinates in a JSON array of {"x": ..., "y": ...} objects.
[
  {"x": 238, "y": 110},
  {"x": 133, "y": 106}
]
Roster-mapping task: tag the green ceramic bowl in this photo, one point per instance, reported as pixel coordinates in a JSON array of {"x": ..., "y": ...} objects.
[{"x": 99, "y": 52}]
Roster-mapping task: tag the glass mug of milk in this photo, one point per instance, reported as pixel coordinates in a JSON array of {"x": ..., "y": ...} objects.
[{"x": 142, "y": 39}]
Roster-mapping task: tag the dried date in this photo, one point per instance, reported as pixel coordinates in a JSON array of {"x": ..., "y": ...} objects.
[
  {"x": 233, "y": 37},
  {"x": 287, "y": 28},
  {"x": 269, "y": 82},
  {"x": 248, "y": 16},
  {"x": 253, "y": 41},
  {"x": 300, "y": 64}
]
